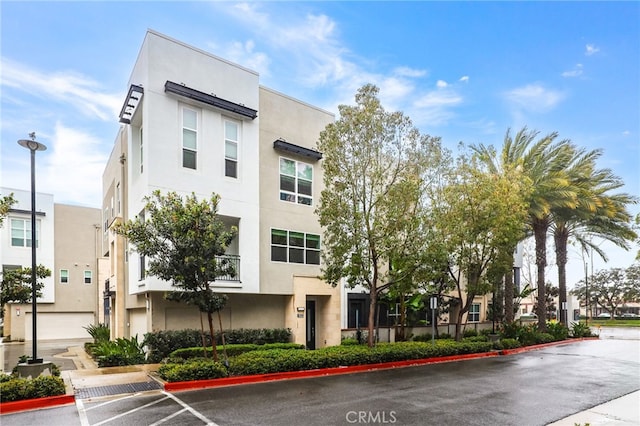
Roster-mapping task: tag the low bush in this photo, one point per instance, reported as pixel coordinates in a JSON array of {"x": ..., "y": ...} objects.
[
  {"x": 119, "y": 352},
  {"x": 99, "y": 333},
  {"x": 443, "y": 336},
  {"x": 193, "y": 369},
  {"x": 579, "y": 329},
  {"x": 232, "y": 350},
  {"x": 349, "y": 341},
  {"x": 422, "y": 337},
  {"x": 15, "y": 389},
  {"x": 161, "y": 343},
  {"x": 557, "y": 330},
  {"x": 476, "y": 339},
  {"x": 470, "y": 332},
  {"x": 508, "y": 344},
  {"x": 544, "y": 338}
]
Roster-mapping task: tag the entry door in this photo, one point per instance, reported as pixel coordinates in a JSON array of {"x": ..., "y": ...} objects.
[{"x": 311, "y": 324}]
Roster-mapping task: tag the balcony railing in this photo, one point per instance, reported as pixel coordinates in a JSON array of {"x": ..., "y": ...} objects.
[{"x": 229, "y": 265}]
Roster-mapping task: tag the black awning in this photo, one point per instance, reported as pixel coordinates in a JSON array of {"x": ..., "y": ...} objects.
[
  {"x": 282, "y": 145},
  {"x": 212, "y": 100}
]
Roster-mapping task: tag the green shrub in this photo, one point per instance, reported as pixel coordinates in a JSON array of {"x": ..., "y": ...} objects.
[
  {"x": 349, "y": 341},
  {"x": 544, "y": 338},
  {"x": 193, "y": 369},
  {"x": 161, "y": 343},
  {"x": 476, "y": 339},
  {"x": 557, "y": 330},
  {"x": 16, "y": 389},
  {"x": 119, "y": 352},
  {"x": 100, "y": 332},
  {"x": 443, "y": 336},
  {"x": 508, "y": 343},
  {"x": 232, "y": 350},
  {"x": 486, "y": 331},
  {"x": 510, "y": 330},
  {"x": 470, "y": 332},
  {"x": 422, "y": 337},
  {"x": 579, "y": 329}
]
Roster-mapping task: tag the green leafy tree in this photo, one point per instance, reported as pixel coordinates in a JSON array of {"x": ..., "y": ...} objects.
[
  {"x": 479, "y": 216},
  {"x": 184, "y": 241},
  {"x": 17, "y": 285},
  {"x": 5, "y": 204},
  {"x": 374, "y": 163},
  {"x": 609, "y": 288}
]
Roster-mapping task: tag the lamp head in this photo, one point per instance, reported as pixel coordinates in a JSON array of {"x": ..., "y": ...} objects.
[{"x": 32, "y": 145}]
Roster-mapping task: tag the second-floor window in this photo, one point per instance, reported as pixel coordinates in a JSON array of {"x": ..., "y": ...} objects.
[
  {"x": 21, "y": 232},
  {"x": 64, "y": 276},
  {"x": 296, "y": 181},
  {"x": 231, "y": 141},
  {"x": 295, "y": 247},
  {"x": 88, "y": 275},
  {"x": 189, "y": 138}
]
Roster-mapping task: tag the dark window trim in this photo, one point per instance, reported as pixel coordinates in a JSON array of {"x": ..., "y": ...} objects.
[
  {"x": 212, "y": 100},
  {"x": 284, "y": 146}
]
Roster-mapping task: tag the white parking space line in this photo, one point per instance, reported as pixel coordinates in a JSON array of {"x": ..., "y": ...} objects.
[
  {"x": 82, "y": 413},
  {"x": 191, "y": 410},
  {"x": 166, "y": 419},
  {"x": 131, "y": 411}
]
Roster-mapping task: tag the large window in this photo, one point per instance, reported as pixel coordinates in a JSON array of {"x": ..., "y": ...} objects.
[
  {"x": 295, "y": 247},
  {"x": 189, "y": 138},
  {"x": 296, "y": 181},
  {"x": 21, "y": 232},
  {"x": 231, "y": 141},
  {"x": 64, "y": 276},
  {"x": 474, "y": 313}
]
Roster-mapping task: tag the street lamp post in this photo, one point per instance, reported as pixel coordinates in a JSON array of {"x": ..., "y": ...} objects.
[{"x": 33, "y": 146}]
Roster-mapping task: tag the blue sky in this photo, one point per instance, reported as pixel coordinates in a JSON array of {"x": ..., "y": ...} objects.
[{"x": 462, "y": 71}]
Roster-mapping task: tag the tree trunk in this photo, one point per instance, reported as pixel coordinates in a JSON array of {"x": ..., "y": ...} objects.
[
  {"x": 373, "y": 298},
  {"x": 508, "y": 296},
  {"x": 224, "y": 345},
  {"x": 540, "y": 227},
  {"x": 213, "y": 336},
  {"x": 204, "y": 341},
  {"x": 561, "y": 236}
]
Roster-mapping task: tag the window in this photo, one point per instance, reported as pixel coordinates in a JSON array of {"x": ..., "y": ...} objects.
[
  {"x": 64, "y": 276},
  {"x": 118, "y": 198},
  {"x": 295, "y": 247},
  {"x": 296, "y": 181},
  {"x": 87, "y": 277},
  {"x": 189, "y": 138},
  {"x": 21, "y": 232},
  {"x": 474, "y": 313},
  {"x": 143, "y": 271},
  {"x": 231, "y": 139}
]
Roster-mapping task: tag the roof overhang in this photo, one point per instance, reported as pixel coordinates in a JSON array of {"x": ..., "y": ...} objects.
[
  {"x": 238, "y": 110},
  {"x": 131, "y": 103},
  {"x": 284, "y": 146}
]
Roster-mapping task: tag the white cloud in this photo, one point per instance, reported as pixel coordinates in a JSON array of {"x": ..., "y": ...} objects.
[
  {"x": 409, "y": 72},
  {"x": 591, "y": 49},
  {"x": 534, "y": 97},
  {"x": 72, "y": 166},
  {"x": 71, "y": 88},
  {"x": 441, "y": 84},
  {"x": 464, "y": 79},
  {"x": 575, "y": 72},
  {"x": 243, "y": 53},
  {"x": 626, "y": 133}
]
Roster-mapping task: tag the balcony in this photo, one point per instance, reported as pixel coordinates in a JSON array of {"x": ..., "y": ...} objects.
[{"x": 230, "y": 267}]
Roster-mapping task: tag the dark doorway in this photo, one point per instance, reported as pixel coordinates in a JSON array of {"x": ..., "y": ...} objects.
[{"x": 311, "y": 324}]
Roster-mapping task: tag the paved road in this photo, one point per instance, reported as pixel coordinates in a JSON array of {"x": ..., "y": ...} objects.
[{"x": 533, "y": 388}]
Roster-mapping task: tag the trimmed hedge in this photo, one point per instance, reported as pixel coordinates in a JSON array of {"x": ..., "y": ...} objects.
[
  {"x": 232, "y": 350},
  {"x": 282, "y": 360},
  {"x": 161, "y": 343},
  {"x": 16, "y": 389},
  {"x": 195, "y": 369}
]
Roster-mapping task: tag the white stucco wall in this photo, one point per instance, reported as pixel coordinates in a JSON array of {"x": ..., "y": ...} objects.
[{"x": 10, "y": 255}]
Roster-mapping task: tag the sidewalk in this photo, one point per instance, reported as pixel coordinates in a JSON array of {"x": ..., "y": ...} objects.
[{"x": 623, "y": 411}]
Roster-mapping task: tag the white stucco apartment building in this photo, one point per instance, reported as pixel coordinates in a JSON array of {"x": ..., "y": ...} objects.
[{"x": 196, "y": 123}]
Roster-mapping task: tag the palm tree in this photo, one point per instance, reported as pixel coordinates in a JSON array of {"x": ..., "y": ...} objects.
[
  {"x": 543, "y": 162},
  {"x": 597, "y": 213}
]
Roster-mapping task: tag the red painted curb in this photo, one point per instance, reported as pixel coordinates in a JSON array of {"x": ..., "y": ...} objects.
[
  {"x": 35, "y": 403},
  {"x": 258, "y": 378}
]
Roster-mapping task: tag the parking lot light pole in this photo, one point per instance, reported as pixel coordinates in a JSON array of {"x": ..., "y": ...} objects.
[{"x": 33, "y": 146}]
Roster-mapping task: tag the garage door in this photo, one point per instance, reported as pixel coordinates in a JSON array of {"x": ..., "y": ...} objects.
[
  {"x": 138, "y": 323},
  {"x": 59, "y": 325}
]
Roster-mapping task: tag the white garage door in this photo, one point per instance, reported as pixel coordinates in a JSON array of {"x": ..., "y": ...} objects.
[
  {"x": 138, "y": 323},
  {"x": 59, "y": 325}
]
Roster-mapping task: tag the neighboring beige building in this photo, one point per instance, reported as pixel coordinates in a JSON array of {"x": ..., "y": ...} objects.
[
  {"x": 196, "y": 123},
  {"x": 68, "y": 244}
]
